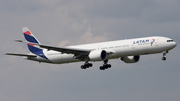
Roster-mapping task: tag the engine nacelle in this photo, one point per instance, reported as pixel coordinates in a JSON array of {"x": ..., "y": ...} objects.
[
  {"x": 130, "y": 59},
  {"x": 97, "y": 55}
]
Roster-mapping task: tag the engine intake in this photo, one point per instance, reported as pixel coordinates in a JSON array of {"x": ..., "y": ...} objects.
[
  {"x": 97, "y": 55},
  {"x": 130, "y": 59}
]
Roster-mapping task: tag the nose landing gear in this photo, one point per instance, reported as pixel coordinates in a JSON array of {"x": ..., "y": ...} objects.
[
  {"x": 164, "y": 54},
  {"x": 164, "y": 58}
]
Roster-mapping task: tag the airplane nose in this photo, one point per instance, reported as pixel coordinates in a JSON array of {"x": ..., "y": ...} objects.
[
  {"x": 172, "y": 44},
  {"x": 175, "y": 44}
]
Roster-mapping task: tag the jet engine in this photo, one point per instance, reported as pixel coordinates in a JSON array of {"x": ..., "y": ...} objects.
[
  {"x": 97, "y": 55},
  {"x": 130, "y": 59}
]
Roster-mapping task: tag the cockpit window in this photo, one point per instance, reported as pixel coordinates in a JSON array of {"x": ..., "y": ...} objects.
[{"x": 169, "y": 40}]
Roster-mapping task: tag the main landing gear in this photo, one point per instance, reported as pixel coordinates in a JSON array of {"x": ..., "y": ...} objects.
[
  {"x": 164, "y": 54},
  {"x": 105, "y": 65},
  {"x": 86, "y": 65}
]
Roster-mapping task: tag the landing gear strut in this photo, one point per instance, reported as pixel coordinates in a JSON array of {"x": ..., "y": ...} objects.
[
  {"x": 164, "y": 54},
  {"x": 105, "y": 65}
]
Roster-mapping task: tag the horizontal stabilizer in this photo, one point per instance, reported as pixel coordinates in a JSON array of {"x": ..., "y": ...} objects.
[
  {"x": 18, "y": 40},
  {"x": 21, "y": 55}
]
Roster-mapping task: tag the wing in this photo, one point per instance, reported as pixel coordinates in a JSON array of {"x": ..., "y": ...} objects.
[
  {"x": 21, "y": 55},
  {"x": 76, "y": 51},
  {"x": 80, "y": 54},
  {"x": 65, "y": 49}
]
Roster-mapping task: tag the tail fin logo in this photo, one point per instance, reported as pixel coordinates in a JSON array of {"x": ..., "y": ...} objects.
[{"x": 29, "y": 36}]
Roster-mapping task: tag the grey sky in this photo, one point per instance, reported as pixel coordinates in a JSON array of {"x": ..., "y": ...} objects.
[{"x": 70, "y": 22}]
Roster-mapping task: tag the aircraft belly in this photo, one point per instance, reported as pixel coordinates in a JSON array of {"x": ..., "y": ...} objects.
[
  {"x": 121, "y": 52},
  {"x": 62, "y": 58},
  {"x": 38, "y": 59},
  {"x": 69, "y": 58}
]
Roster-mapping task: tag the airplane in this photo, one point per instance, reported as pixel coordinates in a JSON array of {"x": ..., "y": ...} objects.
[{"x": 128, "y": 50}]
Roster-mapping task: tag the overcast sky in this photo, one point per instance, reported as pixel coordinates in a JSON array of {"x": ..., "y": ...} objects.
[{"x": 71, "y": 22}]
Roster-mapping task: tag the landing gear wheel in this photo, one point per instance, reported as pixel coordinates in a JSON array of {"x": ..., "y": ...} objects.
[
  {"x": 105, "y": 65},
  {"x": 109, "y": 65},
  {"x": 90, "y": 64},
  {"x": 164, "y": 58},
  {"x": 102, "y": 68},
  {"x": 83, "y": 67},
  {"x": 86, "y": 65}
]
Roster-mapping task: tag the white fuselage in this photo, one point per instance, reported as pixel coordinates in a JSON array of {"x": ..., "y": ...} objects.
[{"x": 116, "y": 49}]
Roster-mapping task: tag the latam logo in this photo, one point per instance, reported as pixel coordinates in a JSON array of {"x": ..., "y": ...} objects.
[
  {"x": 152, "y": 41},
  {"x": 144, "y": 41},
  {"x": 141, "y": 41}
]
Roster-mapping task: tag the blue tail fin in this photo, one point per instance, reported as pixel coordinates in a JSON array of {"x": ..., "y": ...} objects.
[{"x": 32, "y": 39}]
